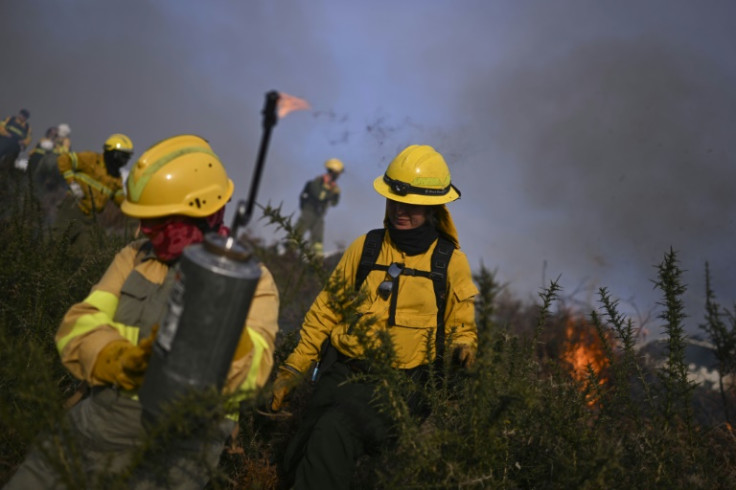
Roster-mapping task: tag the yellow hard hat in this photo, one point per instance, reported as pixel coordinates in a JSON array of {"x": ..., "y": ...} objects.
[
  {"x": 334, "y": 165},
  {"x": 118, "y": 142},
  {"x": 179, "y": 175},
  {"x": 418, "y": 175}
]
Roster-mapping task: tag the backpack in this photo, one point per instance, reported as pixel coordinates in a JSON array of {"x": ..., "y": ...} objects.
[{"x": 438, "y": 274}]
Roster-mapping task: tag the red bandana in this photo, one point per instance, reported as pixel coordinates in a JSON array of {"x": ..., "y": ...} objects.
[{"x": 169, "y": 236}]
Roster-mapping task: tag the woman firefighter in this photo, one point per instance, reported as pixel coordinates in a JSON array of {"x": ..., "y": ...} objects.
[{"x": 418, "y": 288}]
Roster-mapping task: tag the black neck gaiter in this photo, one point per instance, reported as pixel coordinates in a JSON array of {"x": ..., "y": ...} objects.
[{"x": 414, "y": 241}]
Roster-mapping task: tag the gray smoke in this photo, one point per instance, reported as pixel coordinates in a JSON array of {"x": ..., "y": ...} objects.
[{"x": 623, "y": 149}]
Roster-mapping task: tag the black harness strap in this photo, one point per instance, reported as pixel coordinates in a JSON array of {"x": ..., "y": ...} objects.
[
  {"x": 371, "y": 249},
  {"x": 439, "y": 262}
]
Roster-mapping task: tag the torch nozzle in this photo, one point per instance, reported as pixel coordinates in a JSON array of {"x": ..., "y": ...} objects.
[{"x": 240, "y": 219}]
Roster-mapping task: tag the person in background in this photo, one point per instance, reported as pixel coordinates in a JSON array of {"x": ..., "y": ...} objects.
[
  {"x": 93, "y": 179},
  {"x": 44, "y": 146},
  {"x": 317, "y": 196},
  {"x": 106, "y": 339},
  {"x": 417, "y": 285},
  {"x": 63, "y": 143},
  {"x": 15, "y": 136},
  {"x": 49, "y": 185}
]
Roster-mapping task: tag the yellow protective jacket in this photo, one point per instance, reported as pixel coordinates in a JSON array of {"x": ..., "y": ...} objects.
[
  {"x": 136, "y": 279},
  {"x": 11, "y": 127},
  {"x": 88, "y": 170},
  {"x": 416, "y": 310}
]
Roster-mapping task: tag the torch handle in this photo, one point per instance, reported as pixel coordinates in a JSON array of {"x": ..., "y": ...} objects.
[{"x": 242, "y": 217}]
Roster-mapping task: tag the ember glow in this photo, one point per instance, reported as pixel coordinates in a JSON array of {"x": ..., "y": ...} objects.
[
  {"x": 288, "y": 103},
  {"x": 583, "y": 351}
]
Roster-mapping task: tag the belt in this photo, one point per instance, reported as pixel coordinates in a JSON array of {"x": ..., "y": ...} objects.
[{"x": 356, "y": 365}]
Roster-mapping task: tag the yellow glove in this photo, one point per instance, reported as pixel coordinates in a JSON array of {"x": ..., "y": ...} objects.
[
  {"x": 464, "y": 355},
  {"x": 123, "y": 364},
  {"x": 245, "y": 345},
  {"x": 285, "y": 381}
]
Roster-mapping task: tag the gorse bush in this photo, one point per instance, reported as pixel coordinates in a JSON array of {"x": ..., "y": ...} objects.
[
  {"x": 518, "y": 418},
  {"x": 40, "y": 278}
]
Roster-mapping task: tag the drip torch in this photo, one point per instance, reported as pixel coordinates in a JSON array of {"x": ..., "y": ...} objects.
[{"x": 214, "y": 284}]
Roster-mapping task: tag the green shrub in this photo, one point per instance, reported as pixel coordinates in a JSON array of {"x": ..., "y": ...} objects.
[{"x": 517, "y": 419}]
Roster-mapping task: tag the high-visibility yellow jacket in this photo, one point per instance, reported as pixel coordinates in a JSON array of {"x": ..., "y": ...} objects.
[
  {"x": 88, "y": 170},
  {"x": 11, "y": 127},
  {"x": 416, "y": 309},
  {"x": 131, "y": 297}
]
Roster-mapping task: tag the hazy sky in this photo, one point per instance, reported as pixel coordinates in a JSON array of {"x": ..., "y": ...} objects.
[{"x": 587, "y": 137}]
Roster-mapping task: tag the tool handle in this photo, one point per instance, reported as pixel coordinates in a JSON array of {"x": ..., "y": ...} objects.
[{"x": 270, "y": 118}]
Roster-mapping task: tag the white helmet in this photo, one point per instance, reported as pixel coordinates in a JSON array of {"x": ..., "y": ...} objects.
[{"x": 64, "y": 130}]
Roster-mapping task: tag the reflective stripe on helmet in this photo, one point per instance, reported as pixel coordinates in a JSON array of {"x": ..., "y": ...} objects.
[
  {"x": 135, "y": 187},
  {"x": 403, "y": 188}
]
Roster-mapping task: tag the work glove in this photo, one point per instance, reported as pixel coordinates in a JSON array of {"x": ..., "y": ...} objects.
[
  {"x": 464, "y": 355},
  {"x": 76, "y": 190},
  {"x": 245, "y": 345},
  {"x": 285, "y": 381},
  {"x": 123, "y": 364}
]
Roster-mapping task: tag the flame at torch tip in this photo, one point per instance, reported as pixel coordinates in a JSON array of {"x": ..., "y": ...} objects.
[{"x": 288, "y": 103}]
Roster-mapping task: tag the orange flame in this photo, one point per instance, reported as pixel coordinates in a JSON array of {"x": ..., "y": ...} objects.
[
  {"x": 584, "y": 352},
  {"x": 288, "y": 103}
]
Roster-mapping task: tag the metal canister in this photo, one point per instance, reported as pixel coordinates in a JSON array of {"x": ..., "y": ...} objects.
[{"x": 213, "y": 288}]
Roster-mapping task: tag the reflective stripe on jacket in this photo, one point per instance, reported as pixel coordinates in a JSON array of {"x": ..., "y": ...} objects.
[
  {"x": 131, "y": 297},
  {"x": 88, "y": 170},
  {"x": 21, "y": 132},
  {"x": 416, "y": 309}
]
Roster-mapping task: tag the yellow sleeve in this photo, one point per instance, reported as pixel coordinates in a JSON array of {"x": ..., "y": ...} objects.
[
  {"x": 93, "y": 164},
  {"x": 253, "y": 370},
  {"x": 460, "y": 313},
  {"x": 64, "y": 162},
  {"x": 321, "y": 319},
  {"x": 88, "y": 325},
  {"x": 119, "y": 196},
  {"x": 27, "y": 140}
]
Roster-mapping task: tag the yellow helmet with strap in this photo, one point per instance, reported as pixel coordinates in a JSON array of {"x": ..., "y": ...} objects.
[
  {"x": 179, "y": 175},
  {"x": 118, "y": 142},
  {"x": 418, "y": 175}
]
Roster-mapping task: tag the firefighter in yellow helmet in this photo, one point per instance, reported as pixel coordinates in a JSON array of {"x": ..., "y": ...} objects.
[
  {"x": 93, "y": 179},
  {"x": 417, "y": 285},
  {"x": 178, "y": 189},
  {"x": 317, "y": 196}
]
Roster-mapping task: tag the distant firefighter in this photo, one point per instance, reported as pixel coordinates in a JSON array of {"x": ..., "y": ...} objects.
[
  {"x": 43, "y": 162},
  {"x": 63, "y": 143},
  {"x": 15, "y": 136},
  {"x": 317, "y": 196},
  {"x": 93, "y": 179},
  {"x": 44, "y": 146}
]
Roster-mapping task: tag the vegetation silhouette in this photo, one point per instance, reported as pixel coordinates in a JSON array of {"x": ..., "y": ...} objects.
[{"x": 519, "y": 419}]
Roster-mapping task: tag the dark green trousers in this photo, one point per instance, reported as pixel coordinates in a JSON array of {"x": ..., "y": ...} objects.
[
  {"x": 312, "y": 222},
  {"x": 97, "y": 447},
  {"x": 341, "y": 424}
]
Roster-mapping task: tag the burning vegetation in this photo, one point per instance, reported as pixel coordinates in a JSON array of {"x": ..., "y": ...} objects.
[{"x": 584, "y": 353}]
